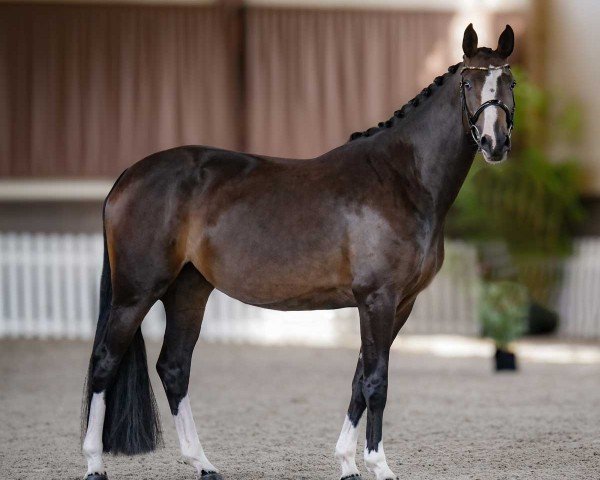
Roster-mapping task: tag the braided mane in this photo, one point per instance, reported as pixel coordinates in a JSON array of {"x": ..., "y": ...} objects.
[{"x": 408, "y": 107}]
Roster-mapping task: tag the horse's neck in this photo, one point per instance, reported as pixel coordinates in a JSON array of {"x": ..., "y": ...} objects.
[{"x": 443, "y": 153}]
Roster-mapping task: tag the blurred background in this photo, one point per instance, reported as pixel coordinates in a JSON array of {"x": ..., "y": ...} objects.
[{"x": 87, "y": 89}]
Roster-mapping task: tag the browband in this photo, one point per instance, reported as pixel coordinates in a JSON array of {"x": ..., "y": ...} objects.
[{"x": 506, "y": 65}]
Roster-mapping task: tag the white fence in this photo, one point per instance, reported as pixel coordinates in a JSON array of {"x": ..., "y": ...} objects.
[
  {"x": 579, "y": 298},
  {"x": 49, "y": 289},
  {"x": 49, "y": 285}
]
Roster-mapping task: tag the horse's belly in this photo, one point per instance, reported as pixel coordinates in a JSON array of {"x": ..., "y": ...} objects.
[
  {"x": 270, "y": 281},
  {"x": 275, "y": 286},
  {"x": 283, "y": 258},
  {"x": 319, "y": 300}
]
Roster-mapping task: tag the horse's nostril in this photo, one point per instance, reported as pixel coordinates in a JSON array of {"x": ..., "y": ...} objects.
[
  {"x": 507, "y": 142},
  {"x": 486, "y": 140}
]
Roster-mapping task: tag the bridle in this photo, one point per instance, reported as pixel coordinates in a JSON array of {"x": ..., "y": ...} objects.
[{"x": 472, "y": 119}]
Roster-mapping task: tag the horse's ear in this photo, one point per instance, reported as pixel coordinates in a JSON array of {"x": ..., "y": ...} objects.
[
  {"x": 506, "y": 43},
  {"x": 470, "y": 41}
]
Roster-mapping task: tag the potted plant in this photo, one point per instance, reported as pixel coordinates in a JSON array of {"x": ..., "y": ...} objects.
[{"x": 503, "y": 315}]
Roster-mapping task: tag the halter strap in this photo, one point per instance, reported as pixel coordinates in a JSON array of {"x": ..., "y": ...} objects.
[{"x": 472, "y": 118}]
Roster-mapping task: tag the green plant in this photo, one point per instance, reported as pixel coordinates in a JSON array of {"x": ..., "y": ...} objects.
[
  {"x": 529, "y": 202},
  {"x": 503, "y": 311}
]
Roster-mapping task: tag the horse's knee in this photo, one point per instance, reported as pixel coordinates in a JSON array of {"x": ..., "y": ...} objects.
[
  {"x": 174, "y": 376},
  {"x": 375, "y": 391}
]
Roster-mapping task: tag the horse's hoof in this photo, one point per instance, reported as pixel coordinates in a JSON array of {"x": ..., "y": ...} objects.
[
  {"x": 354, "y": 476},
  {"x": 96, "y": 476},
  {"x": 210, "y": 476}
]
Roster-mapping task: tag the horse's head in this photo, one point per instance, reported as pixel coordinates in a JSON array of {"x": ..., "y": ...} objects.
[{"x": 487, "y": 93}]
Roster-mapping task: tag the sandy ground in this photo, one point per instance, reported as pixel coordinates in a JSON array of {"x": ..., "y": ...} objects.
[{"x": 275, "y": 412}]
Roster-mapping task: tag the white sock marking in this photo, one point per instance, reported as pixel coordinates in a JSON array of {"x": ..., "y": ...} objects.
[
  {"x": 345, "y": 449},
  {"x": 376, "y": 463},
  {"x": 92, "y": 445},
  {"x": 490, "y": 114},
  {"x": 191, "y": 449}
]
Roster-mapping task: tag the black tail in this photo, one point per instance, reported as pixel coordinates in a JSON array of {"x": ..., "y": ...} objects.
[{"x": 131, "y": 423}]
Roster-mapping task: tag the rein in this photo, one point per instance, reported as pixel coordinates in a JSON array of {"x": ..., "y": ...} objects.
[{"x": 472, "y": 118}]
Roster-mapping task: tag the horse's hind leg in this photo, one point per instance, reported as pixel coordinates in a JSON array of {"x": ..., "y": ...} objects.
[
  {"x": 184, "y": 302},
  {"x": 120, "y": 403}
]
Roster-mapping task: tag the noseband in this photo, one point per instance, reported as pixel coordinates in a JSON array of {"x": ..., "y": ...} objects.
[{"x": 472, "y": 119}]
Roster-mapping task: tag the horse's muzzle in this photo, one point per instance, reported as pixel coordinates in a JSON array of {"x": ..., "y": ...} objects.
[{"x": 497, "y": 152}]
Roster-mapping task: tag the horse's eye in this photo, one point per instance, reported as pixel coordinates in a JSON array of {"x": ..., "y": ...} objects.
[
  {"x": 513, "y": 85},
  {"x": 467, "y": 84}
]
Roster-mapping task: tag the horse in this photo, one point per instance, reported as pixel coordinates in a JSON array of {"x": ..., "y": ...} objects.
[{"x": 359, "y": 226}]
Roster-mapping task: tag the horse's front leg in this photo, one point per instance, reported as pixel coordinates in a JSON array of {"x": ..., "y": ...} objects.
[
  {"x": 378, "y": 327},
  {"x": 345, "y": 449}
]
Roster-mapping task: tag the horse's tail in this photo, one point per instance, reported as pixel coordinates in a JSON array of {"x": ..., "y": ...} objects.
[{"x": 131, "y": 422}]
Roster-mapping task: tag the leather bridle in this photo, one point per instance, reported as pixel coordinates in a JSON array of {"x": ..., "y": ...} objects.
[{"x": 472, "y": 119}]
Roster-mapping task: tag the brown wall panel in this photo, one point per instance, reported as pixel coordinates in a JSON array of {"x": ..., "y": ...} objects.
[{"x": 88, "y": 90}]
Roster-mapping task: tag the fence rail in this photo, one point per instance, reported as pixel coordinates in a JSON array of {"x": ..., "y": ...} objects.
[{"x": 49, "y": 289}]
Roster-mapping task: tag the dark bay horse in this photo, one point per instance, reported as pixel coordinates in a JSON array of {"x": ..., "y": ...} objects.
[{"x": 361, "y": 225}]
